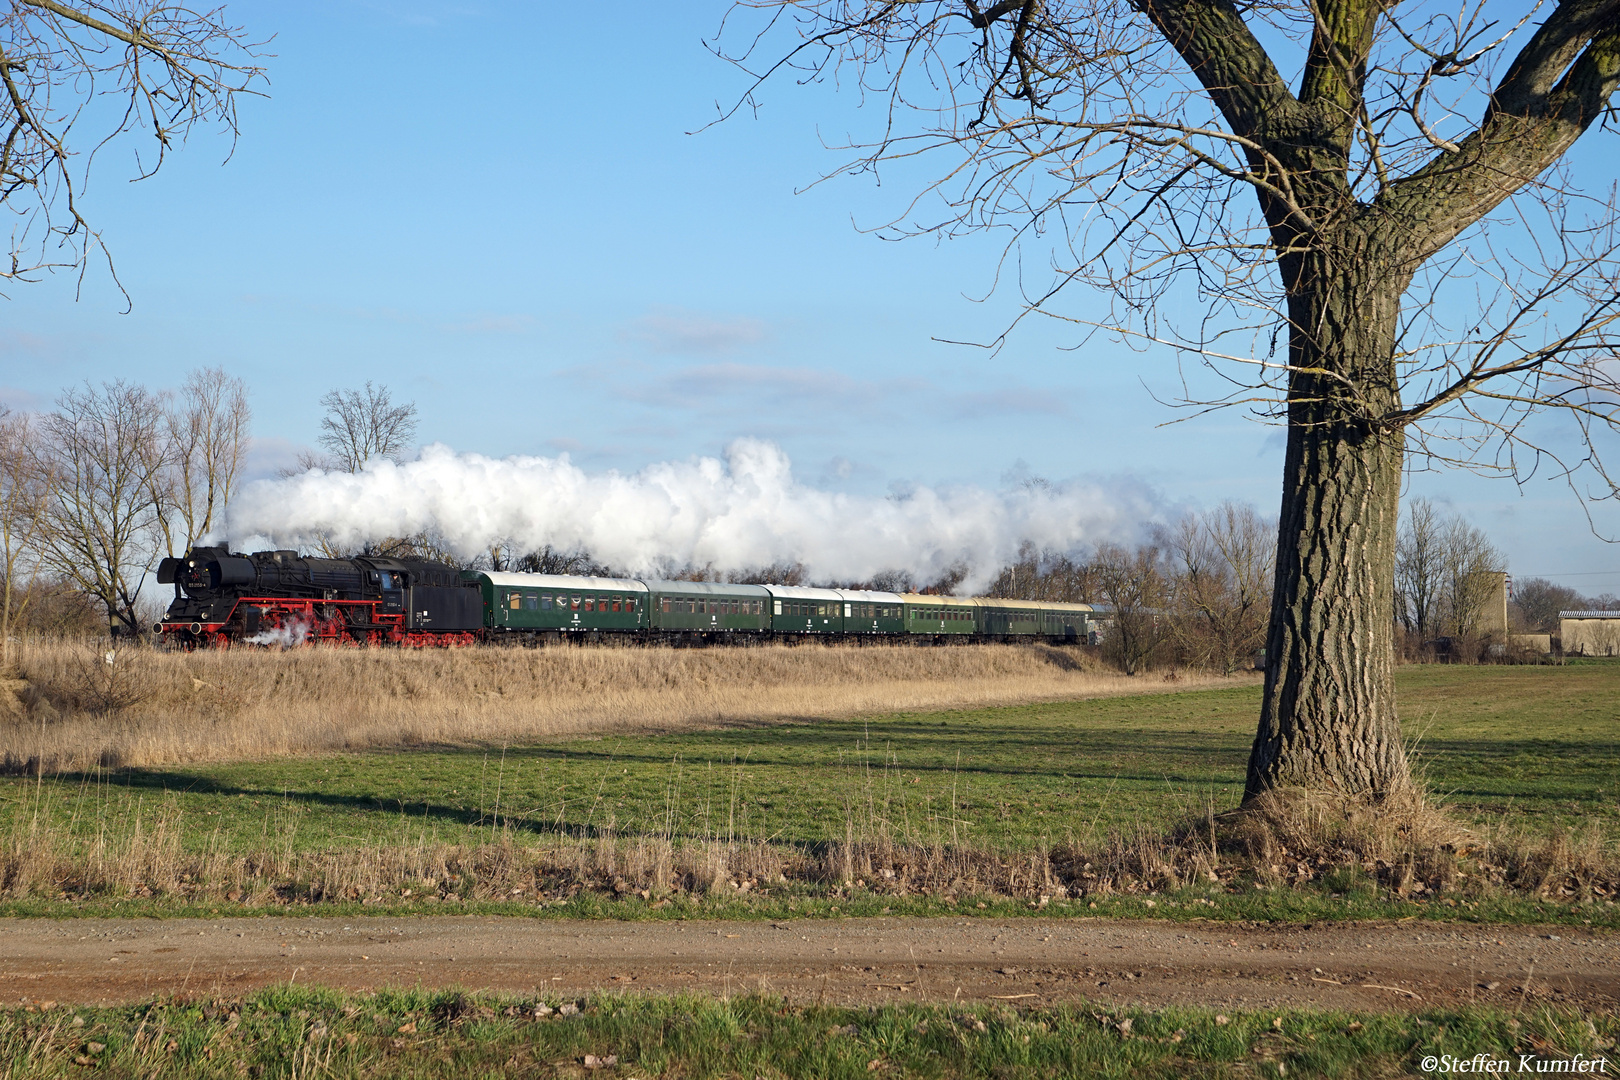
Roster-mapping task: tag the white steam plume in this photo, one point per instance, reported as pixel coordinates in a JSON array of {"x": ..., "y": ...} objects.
[{"x": 744, "y": 511}]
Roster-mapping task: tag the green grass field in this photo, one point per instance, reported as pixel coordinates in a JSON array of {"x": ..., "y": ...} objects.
[
  {"x": 303, "y": 1032},
  {"x": 1526, "y": 748}
]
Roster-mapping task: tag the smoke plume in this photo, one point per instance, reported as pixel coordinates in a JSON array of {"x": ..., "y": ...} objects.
[{"x": 744, "y": 511}]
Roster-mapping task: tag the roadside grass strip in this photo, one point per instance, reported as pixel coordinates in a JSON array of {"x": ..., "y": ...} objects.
[{"x": 308, "y": 1031}]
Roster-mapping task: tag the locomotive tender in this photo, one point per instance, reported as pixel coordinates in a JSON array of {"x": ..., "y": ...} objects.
[{"x": 280, "y": 597}]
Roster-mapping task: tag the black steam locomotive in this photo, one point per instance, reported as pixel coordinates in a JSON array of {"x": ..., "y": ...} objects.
[{"x": 273, "y": 597}]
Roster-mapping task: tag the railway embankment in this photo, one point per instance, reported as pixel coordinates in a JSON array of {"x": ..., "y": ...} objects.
[{"x": 77, "y": 707}]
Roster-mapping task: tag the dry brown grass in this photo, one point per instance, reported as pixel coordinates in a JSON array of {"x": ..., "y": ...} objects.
[
  {"x": 1297, "y": 839},
  {"x": 73, "y": 710}
]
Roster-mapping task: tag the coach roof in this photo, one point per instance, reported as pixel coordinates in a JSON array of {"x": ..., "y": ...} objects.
[
  {"x": 868, "y": 597},
  {"x": 704, "y": 588},
  {"x": 560, "y": 581},
  {"x": 798, "y": 592}
]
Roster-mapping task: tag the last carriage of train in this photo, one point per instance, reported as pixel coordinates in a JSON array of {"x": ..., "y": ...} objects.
[{"x": 223, "y": 598}]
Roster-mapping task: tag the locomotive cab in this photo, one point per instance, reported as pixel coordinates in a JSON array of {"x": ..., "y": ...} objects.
[{"x": 391, "y": 586}]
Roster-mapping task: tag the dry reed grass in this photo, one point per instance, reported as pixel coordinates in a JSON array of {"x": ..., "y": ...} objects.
[
  {"x": 73, "y": 710},
  {"x": 1294, "y": 839}
]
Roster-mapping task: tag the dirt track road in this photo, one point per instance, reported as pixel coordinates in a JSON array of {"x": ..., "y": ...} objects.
[{"x": 1027, "y": 961}]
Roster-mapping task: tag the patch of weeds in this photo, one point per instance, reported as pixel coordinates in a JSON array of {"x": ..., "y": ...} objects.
[{"x": 309, "y": 1031}]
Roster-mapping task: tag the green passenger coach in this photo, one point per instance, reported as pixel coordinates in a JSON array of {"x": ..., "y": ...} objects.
[
  {"x": 873, "y": 612},
  {"x": 534, "y": 603},
  {"x": 706, "y": 607},
  {"x": 796, "y": 610},
  {"x": 1009, "y": 618},
  {"x": 942, "y": 616}
]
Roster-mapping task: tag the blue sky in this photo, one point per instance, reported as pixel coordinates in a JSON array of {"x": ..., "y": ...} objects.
[{"x": 498, "y": 211}]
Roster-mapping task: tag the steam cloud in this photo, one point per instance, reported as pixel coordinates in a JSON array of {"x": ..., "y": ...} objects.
[{"x": 744, "y": 511}]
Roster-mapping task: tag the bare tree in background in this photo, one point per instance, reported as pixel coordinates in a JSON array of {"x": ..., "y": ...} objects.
[
  {"x": 78, "y": 74},
  {"x": 206, "y": 433},
  {"x": 1132, "y": 582},
  {"x": 102, "y": 450},
  {"x": 781, "y": 573},
  {"x": 1378, "y": 249},
  {"x": 365, "y": 425},
  {"x": 1420, "y": 569},
  {"x": 1539, "y": 601},
  {"x": 1473, "y": 569},
  {"x": 22, "y": 503},
  {"x": 1227, "y": 561}
]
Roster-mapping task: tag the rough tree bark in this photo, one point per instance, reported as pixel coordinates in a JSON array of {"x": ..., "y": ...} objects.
[{"x": 1328, "y": 717}]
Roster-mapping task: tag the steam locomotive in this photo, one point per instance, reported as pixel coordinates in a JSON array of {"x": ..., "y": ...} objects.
[{"x": 281, "y": 598}]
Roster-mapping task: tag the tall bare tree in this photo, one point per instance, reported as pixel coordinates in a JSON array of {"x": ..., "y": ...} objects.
[
  {"x": 1332, "y": 236},
  {"x": 22, "y": 503},
  {"x": 1420, "y": 568},
  {"x": 1132, "y": 582},
  {"x": 168, "y": 67},
  {"x": 1227, "y": 563},
  {"x": 206, "y": 430},
  {"x": 1473, "y": 574},
  {"x": 365, "y": 425},
  {"x": 102, "y": 451}
]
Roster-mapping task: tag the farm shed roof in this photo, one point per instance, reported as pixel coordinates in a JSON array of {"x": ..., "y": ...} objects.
[{"x": 1589, "y": 614}]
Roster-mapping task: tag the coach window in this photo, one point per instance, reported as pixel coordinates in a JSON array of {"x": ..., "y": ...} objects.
[
  {"x": 531, "y": 602},
  {"x": 513, "y": 600},
  {"x": 663, "y": 604},
  {"x": 573, "y": 601},
  {"x": 629, "y": 603},
  {"x": 545, "y": 603}
]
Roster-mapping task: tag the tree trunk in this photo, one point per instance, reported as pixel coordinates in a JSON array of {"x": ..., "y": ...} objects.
[{"x": 1328, "y": 719}]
